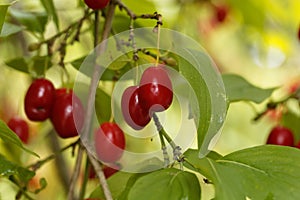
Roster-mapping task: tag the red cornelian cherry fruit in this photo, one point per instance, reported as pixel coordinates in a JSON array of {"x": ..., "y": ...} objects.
[
  {"x": 96, "y": 4},
  {"x": 108, "y": 171},
  {"x": 280, "y": 135},
  {"x": 155, "y": 90},
  {"x": 39, "y": 99},
  {"x": 134, "y": 115},
  {"x": 67, "y": 114},
  {"x": 109, "y": 142},
  {"x": 20, "y": 127}
]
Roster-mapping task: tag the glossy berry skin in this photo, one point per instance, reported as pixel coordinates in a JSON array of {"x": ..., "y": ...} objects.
[
  {"x": 280, "y": 135},
  {"x": 20, "y": 127},
  {"x": 67, "y": 114},
  {"x": 96, "y": 4},
  {"x": 135, "y": 116},
  {"x": 155, "y": 92},
  {"x": 109, "y": 142},
  {"x": 39, "y": 99}
]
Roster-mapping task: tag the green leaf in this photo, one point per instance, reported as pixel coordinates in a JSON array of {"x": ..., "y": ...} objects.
[
  {"x": 50, "y": 8},
  {"x": 8, "y": 168},
  {"x": 239, "y": 89},
  {"x": 210, "y": 107},
  {"x": 107, "y": 75},
  {"x": 102, "y": 106},
  {"x": 7, "y": 135},
  {"x": 261, "y": 172},
  {"x": 3, "y": 10},
  {"x": 19, "y": 64},
  {"x": 117, "y": 185},
  {"x": 38, "y": 65},
  {"x": 291, "y": 121},
  {"x": 35, "y": 22},
  {"x": 166, "y": 184},
  {"x": 10, "y": 29},
  {"x": 201, "y": 108}
]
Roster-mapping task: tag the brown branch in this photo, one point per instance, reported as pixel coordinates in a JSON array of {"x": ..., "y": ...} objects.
[
  {"x": 71, "y": 194},
  {"x": 92, "y": 94},
  {"x": 98, "y": 169}
]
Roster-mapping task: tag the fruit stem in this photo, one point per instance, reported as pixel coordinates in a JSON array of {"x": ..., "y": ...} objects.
[
  {"x": 111, "y": 119},
  {"x": 157, "y": 28},
  {"x": 177, "y": 155},
  {"x": 164, "y": 150}
]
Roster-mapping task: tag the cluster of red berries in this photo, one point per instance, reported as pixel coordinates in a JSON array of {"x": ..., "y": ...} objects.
[
  {"x": 281, "y": 135},
  {"x": 61, "y": 106},
  {"x": 153, "y": 94},
  {"x": 96, "y": 4},
  {"x": 43, "y": 101}
]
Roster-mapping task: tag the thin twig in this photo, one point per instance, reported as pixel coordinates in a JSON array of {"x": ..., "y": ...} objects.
[
  {"x": 91, "y": 98},
  {"x": 40, "y": 163},
  {"x": 71, "y": 193},
  {"x": 101, "y": 176}
]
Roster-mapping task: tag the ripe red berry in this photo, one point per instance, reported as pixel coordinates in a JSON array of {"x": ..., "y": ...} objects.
[
  {"x": 109, "y": 142},
  {"x": 221, "y": 13},
  {"x": 155, "y": 92},
  {"x": 39, "y": 100},
  {"x": 108, "y": 171},
  {"x": 20, "y": 127},
  {"x": 134, "y": 115},
  {"x": 299, "y": 33},
  {"x": 298, "y": 145},
  {"x": 280, "y": 135},
  {"x": 67, "y": 114},
  {"x": 96, "y": 4}
]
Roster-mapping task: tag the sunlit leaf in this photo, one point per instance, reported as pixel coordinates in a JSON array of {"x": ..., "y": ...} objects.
[
  {"x": 257, "y": 173},
  {"x": 35, "y": 22},
  {"x": 3, "y": 10},
  {"x": 239, "y": 89},
  {"x": 49, "y": 7},
  {"x": 10, "y": 29}
]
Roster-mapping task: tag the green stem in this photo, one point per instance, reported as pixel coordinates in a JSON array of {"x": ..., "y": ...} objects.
[
  {"x": 85, "y": 179},
  {"x": 164, "y": 150},
  {"x": 40, "y": 163},
  {"x": 177, "y": 155}
]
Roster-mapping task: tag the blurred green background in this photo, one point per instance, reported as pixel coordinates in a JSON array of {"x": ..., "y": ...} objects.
[{"x": 257, "y": 39}]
